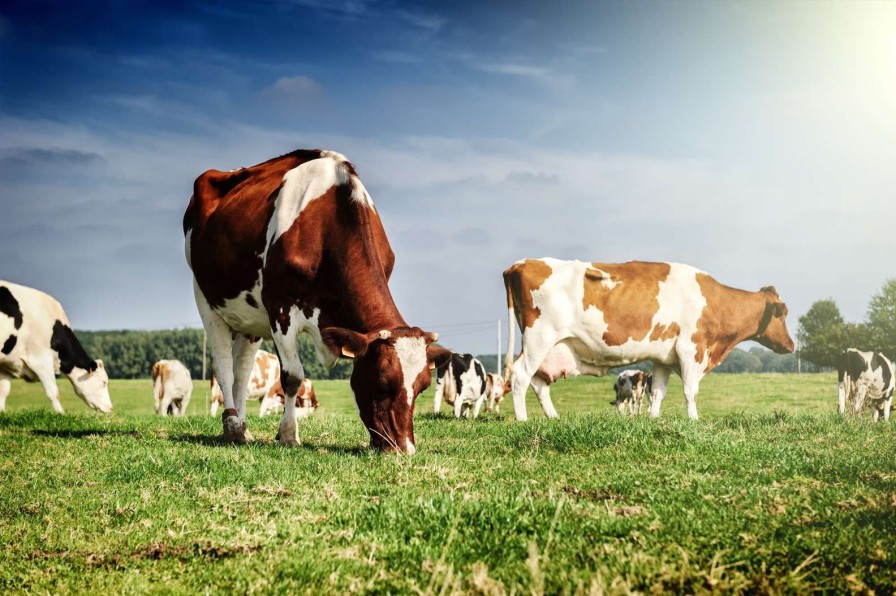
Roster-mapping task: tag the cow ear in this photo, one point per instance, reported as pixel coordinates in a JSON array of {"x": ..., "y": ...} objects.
[
  {"x": 99, "y": 364},
  {"x": 93, "y": 366},
  {"x": 430, "y": 337},
  {"x": 437, "y": 356},
  {"x": 344, "y": 342},
  {"x": 780, "y": 309}
]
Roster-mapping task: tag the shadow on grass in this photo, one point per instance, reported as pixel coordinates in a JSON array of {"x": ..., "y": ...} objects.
[
  {"x": 80, "y": 434},
  {"x": 217, "y": 441}
]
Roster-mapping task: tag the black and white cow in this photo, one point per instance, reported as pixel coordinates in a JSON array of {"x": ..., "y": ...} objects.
[
  {"x": 37, "y": 342},
  {"x": 630, "y": 388},
  {"x": 865, "y": 375},
  {"x": 462, "y": 382}
]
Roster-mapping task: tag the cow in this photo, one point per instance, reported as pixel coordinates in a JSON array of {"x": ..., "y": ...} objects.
[
  {"x": 497, "y": 387},
  {"x": 585, "y": 318},
  {"x": 865, "y": 375},
  {"x": 295, "y": 245},
  {"x": 263, "y": 384},
  {"x": 463, "y": 383},
  {"x": 630, "y": 387},
  {"x": 171, "y": 387},
  {"x": 37, "y": 343}
]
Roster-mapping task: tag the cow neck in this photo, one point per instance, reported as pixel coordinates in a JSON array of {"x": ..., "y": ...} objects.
[
  {"x": 366, "y": 300},
  {"x": 750, "y": 323}
]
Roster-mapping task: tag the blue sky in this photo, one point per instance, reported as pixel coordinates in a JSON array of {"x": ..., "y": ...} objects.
[{"x": 754, "y": 140}]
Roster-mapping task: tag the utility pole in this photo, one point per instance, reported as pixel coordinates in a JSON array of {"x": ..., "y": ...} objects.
[{"x": 498, "y": 364}]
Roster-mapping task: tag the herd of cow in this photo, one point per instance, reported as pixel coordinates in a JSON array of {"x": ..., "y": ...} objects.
[{"x": 295, "y": 245}]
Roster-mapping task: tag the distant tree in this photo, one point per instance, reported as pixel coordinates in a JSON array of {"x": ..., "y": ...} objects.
[
  {"x": 881, "y": 320},
  {"x": 739, "y": 361},
  {"x": 822, "y": 333}
]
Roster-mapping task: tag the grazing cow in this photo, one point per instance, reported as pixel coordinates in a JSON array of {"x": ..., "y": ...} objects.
[
  {"x": 263, "y": 384},
  {"x": 585, "y": 318},
  {"x": 630, "y": 387},
  {"x": 295, "y": 245},
  {"x": 171, "y": 387},
  {"x": 37, "y": 343},
  {"x": 497, "y": 388},
  {"x": 462, "y": 382},
  {"x": 865, "y": 375}
]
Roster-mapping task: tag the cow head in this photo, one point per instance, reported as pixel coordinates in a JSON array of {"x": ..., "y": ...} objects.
[
  {"x": 623, "y": 390},
  {"x": 772, "y": 331},
  {"x": 391, "y": 368},
  {"x": 92, "y": 386}
]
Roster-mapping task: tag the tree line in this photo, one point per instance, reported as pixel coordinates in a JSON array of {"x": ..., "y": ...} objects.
[
  {"x": 131, "y": 354},
  {"x": 824, "y": 334}
]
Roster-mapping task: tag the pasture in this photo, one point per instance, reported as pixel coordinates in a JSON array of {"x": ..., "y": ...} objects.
[{"x": 770, "y": 491}]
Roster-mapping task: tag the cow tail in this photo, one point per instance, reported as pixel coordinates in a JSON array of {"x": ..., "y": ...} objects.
[
  {"x": 511, "y": 328},
  {"x": 158, "y": 387}
]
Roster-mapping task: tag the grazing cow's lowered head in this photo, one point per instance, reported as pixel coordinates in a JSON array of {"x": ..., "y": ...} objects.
[
  {"x": 91, "y": 384},
  {"x": 630, "y": 387},
  {"x": 772, "y": 332},
  {"x": 391, "y": 368}
]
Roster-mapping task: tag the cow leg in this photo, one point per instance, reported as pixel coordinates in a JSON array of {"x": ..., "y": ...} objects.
[
  {"x": 45, "y": 371},
  {"x": 219, "y": 339},
  {"x": 184, "y": 403},
  {"x": 440, "y": 390},
  {"x": 5, "y": 388},
  {"x": 842, "y": 390},
  {"x": 458, "y": 406},
  {"x": 543, "y": 391},
  {"x": 860, "y": 398},
  {"x": 660, "y": 384},
  {"x": 478, "y": 406},
  {"x": 291, "y": 375},
  {"x": 243, "y": 349},
  {"x": 165, "y": 402}
]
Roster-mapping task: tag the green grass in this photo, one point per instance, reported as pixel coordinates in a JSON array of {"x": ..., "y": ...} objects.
[{"x": 770, "y": 491}]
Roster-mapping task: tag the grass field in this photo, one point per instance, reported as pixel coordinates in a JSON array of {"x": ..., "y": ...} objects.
[{"x": 770, "y": 491}]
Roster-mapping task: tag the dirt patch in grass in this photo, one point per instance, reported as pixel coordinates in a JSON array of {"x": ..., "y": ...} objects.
[{"x": 153, "y": 552}]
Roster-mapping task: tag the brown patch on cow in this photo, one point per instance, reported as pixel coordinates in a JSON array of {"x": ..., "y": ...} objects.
[
  {"x": 730, "y": 316},
  {"x": 237, "y": 206},
  {"x": 629, "y": 305},
  {"x": 663, "y": 332},
  {"x": 262, "y": 362},
  {"x": 161, "y": 371},
  {"x": 520, "y": 280}
]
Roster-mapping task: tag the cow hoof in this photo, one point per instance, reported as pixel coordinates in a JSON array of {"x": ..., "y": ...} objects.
[
  {"x": 235, "y": 431},
  {"x": 289, "y": 436}
]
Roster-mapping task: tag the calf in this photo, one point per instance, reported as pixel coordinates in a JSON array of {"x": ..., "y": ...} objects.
[
  {"x": 37, "y": 343},
  {"x": 630, "y": 387},
  {"x": 585, "y": 318},
  {"x": 865, "y": 375},
  {"x": 462, "y": 382},
  {"x": 171, "y": 387},
  {"x": 496, "y": 388}
]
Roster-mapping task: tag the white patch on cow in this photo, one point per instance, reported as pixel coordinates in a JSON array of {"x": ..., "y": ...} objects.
[
  {"x": 412, "y": 361},
  {"x": 682, "y": 302},
  {"x": 307, "y": 182},
  {"x": 239, "y": 314}
]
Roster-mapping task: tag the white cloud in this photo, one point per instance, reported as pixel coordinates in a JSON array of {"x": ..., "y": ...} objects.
[{"x": 295, "y": 91}]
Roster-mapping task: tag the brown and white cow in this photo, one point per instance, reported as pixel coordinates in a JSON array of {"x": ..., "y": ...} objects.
[
  {"x": 295, "y": 245},
  {"x": 497, "y": 388},
  {"x": 585, "y": 318},
  {"x": 265, "y": 386},
  {"x": 37, "y": 343},
  {"x": 171, "y": 387}
]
